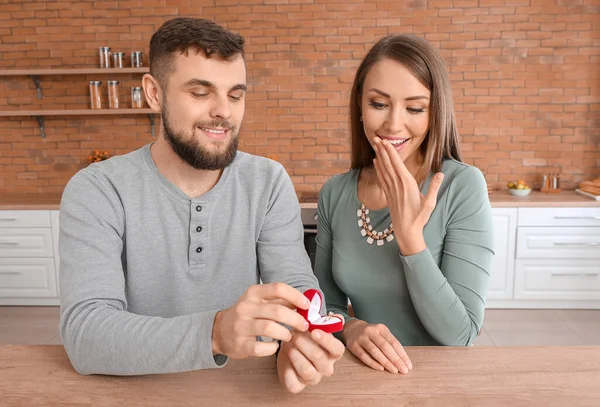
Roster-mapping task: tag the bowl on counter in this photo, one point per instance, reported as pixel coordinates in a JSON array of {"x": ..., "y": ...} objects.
[{"x": 520, "y": 192}]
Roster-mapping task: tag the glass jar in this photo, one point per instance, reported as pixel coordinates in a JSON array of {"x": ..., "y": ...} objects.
[
  {"x": 104, "y": 57},
  {"x": 136, "y": 97},
  {"x": 95, "y": 99},
  {"x": 137, "y": 59},
  {"x": 113, "y": 94},
  {"x": 118, "y": 59}
]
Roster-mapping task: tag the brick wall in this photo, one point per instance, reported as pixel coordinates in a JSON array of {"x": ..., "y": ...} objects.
[{"x": 525, "y": 75}]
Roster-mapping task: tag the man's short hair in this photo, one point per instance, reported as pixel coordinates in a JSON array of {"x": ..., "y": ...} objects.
[{"x": 184, "y": 33}]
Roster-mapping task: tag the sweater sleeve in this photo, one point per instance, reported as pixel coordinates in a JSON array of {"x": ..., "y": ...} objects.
[
  {"x": 450, "y": 299},
  {"x": 99, "y": 334},
  {"x": 282, "y": 256}
]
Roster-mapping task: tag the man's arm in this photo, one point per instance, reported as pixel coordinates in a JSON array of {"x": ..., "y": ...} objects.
[
  {"x": 282, "y": 256},
  {"x": 99, "y": 334}
]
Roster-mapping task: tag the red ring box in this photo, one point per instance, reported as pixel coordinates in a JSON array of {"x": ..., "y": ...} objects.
[{"x": 312, "y": 315}]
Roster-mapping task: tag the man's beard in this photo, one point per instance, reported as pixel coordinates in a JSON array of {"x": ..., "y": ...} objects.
[{"x": 190, "y": 149}]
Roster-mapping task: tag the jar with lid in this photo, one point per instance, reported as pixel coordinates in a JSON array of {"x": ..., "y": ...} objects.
[
  {"x": 113, "y": 94},
  {"x": 104, "y": 57},
  {"x": 136, "y": 97},
  {"x": 137, "y": 59},
  {"x": 95, "y": 96},
  {"x": 118, "y": 59}
]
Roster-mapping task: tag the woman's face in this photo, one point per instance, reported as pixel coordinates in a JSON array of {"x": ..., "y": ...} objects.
[{"x": 395, "y": 107}]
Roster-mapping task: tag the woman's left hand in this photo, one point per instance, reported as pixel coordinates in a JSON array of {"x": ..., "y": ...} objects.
[{"x": 409, "y": 208}]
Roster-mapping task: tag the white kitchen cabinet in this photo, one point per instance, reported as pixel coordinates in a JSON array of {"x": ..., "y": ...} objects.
[
  {"x": 544, "y": 258},
  {"x": 27, "y": 258},
  {"x": 54, "y": 224},
  {"x": 558, "y": 258},
  {"x": 503, "y": 267}
]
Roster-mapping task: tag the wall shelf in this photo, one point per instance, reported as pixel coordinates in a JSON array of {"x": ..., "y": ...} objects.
[
  {"x": 34, "y": 74},
  {"x": 70, "y": 71},
  {"x": 40, "y": 114}
]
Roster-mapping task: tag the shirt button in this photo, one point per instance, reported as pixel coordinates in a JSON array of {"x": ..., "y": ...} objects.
[
  {"x": 199, "y": 229},
  {"x": 198, "y": 208},
  {"x": 198, "y": 250}
]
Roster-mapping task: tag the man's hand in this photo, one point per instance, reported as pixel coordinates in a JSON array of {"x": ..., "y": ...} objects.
[
  {"x": 307, "y": 358},
  {"x": 259, "y": 312}
]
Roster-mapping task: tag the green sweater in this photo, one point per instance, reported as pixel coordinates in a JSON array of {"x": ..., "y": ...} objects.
[{"x": 434, "y": 297}]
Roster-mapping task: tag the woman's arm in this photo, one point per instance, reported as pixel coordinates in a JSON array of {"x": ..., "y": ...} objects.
[
  {"x": 335, "y": 298},
  {"x": 450, "y": 299}
]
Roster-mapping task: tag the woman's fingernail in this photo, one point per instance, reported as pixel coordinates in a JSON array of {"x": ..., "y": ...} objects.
[
  {"x": 439, "y": 177},
  {"x": 317, "y": 334}
]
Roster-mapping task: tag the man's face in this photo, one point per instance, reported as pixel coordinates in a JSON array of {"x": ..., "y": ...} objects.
[{"x": 203, "y": 107}]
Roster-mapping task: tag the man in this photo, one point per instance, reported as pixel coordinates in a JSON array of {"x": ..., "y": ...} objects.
[{"x": 162, "y": 249}]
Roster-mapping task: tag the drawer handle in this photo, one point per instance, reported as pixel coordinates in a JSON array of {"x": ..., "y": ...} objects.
[
  {"x": 8, "y": 219},
  {"x": 11, "y": 273},
  {"x": 577, "y": 217},
  {"x": 591, "y": 244},
  {"x": 9, "y": 243},
  {"x": 310, "y": 231},
  {"x": 574, "y": 274}
]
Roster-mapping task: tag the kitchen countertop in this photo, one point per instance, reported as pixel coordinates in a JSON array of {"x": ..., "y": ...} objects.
[
  {"x": 498, "y": 199},
  {"x": 441, "y": 376},
  {"x": 29, "y": 202}
]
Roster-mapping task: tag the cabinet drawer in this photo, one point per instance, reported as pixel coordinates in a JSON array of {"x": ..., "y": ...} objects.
[
  {"x": 24, "y": 219},
  {"x": 557, "y": 280},
  {"x": 559, "y": 217},
  {"x": 555, "y": 243},
  {"x": 26, "y": 242},
  {"x": 27, "y": 278}
]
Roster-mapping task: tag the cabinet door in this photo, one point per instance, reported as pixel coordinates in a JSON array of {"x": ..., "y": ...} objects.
[
  {"x": 503, "y": 267},
  {"x": 54, "y": 222}
]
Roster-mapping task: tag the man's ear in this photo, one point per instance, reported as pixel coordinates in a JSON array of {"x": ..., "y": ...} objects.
[{"x": 153, "y": 92}]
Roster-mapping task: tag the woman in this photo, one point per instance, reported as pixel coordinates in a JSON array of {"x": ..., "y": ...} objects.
[{"x": 406, "y": 234}]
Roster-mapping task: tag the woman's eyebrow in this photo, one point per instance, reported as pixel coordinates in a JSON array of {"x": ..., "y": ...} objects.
[{"x": 382, "y": 93}]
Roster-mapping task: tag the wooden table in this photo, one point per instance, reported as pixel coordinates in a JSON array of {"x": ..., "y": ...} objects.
[{"x": 442, "y": 376}]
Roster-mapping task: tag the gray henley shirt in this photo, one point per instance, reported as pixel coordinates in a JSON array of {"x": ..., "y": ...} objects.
[{"x": 144, "y": 268}]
